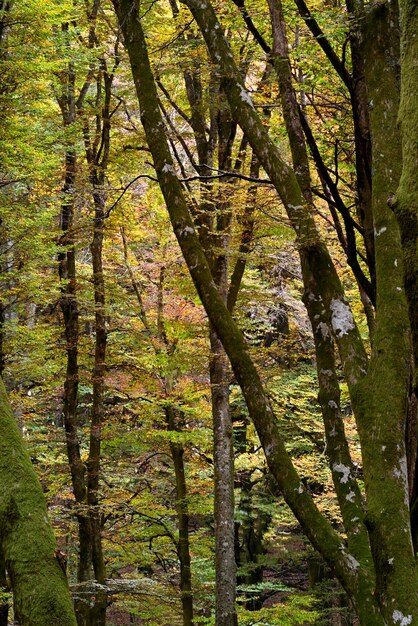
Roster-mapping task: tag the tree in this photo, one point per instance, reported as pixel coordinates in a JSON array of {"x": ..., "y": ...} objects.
[
  {"x": 40, "y": 589},
  {"x": 376, "y": 563}
]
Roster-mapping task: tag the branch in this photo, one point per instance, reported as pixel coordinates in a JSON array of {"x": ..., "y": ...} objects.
[
  {"x": 252, "y": 27},
  {"x": 173, "y": 103},
  {"x": 225, "y": 174},
  {"x": 110, "y": 209},
  {"x": 322, "y": 40}
]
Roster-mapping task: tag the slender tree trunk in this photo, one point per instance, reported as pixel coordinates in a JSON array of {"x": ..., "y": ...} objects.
[
  {"x": 69, "y": 308},
  {"x": 362, "y": 136},
  {"x": 97, "y": 409},
  {"x": 217, "y": 252},
  {"x": 225, "y": 566},
  {"x": 183, "y": 546},
  {"x": 222, "y": 130},
  {"x": 97, "y": 155}
]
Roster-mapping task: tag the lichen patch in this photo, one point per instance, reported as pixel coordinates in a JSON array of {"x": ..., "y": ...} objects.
[
  {"x": 399, "y": 617},
  {"x": 341, "y": 317},
  {"x": 342, "y": 469}
]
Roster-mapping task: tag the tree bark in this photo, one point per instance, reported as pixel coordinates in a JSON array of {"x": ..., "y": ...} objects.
[
  {"x": 97, "y": 155},
  {"x": 97, "y": 409},
  {"x": 183, "y": 545},
  {"x": 381, "y": 35},
  {"x": 214, "y": 220},
  {"x": 406, "y": 205},
  {"x": 41, "y": 596},
  {"x": 225, "y": 566}
]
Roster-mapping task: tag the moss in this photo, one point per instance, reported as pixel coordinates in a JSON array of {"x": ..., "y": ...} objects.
[
  {"x": 40, "y": 588},
  {"x": 382, "y": 394},
  {"x": 406, "y": 206}
]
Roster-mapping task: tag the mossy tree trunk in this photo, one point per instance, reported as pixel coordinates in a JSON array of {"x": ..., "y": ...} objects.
[
  {"x": 384, "y": 457},
  {"x": 406, "y": 211},
  {"x": 406, "y": 205},
  {"x": 5, "y": 9},
  {"x": 40, "y": 590}
]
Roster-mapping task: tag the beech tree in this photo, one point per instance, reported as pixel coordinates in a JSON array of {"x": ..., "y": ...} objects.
[
  {"x": 374, "y": 558},
  {"x": 40, "y": 588}
]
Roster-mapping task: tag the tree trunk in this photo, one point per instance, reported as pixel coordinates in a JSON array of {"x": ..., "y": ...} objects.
[
  {"x": 97, "y": 155},
  {"x": 214, "y": 235},
  {"x": 97, "y": 409},
  {"x": 69, "y": 307},
  {"x": 183, "y": 546},
  {"x": 225, "y": 566},
  {"x": 40, "y": 590},
  {"x": 406, "y": 205},
  {"x": 217, "y": 252}
]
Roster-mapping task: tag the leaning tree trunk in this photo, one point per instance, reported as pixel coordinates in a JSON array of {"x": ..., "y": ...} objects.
[{"x": 41, "y": 596}]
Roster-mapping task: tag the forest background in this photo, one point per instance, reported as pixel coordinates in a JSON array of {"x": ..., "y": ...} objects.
[{"x": 164, "y": 507}]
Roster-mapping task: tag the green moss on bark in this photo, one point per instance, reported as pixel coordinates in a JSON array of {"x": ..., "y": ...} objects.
[{"x": 40, "y": 589}]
